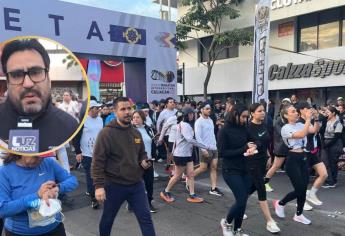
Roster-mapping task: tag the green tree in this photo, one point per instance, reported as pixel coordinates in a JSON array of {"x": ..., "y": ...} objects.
[
  {"x": 208, "y": 16},
  {"x": 70, "y": 61}
]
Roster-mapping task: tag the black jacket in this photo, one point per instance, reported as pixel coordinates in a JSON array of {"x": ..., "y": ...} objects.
[
  {"x": 55, "y": 126},
  {"x": 232, "y": 143}
]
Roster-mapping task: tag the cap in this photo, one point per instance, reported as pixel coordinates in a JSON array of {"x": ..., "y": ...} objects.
[
  {"x": 340, "y": 98},
  {"x": 286, "y": 100},
  {"x": 302, "y": 105},
  {"x": 93, "y": 103},
  {"x": 205, "y": 104}
]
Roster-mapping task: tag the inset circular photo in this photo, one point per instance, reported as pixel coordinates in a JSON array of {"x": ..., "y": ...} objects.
[{"x": 43, "y": 92}]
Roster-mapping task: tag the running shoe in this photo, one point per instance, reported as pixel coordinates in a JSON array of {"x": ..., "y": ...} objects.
[
  {"x": 94, "y": 204},
  {"x": 160, "y": 160},
  {"x": 226, "y": 228},
  {"x": 268, "y": 188},
  {"x": 311, "y": 197},
  {"x": 166, "y": 196},
  {"x": 239, "y": 232},
  {"x": 327, "y": 185},
  {"x": 245, "y": 217},
  {"x": 216, "y": 192},
  {"x": 279, "y": 209},
  {"x": 301, "y": 219},
  {"x": 193, "y": 198},
  {"x": 272, "y": 227},
  {"x": 307, "y": 207},
  {"x": 153, "y": 209},
  {"x": 155, "y": 174}
]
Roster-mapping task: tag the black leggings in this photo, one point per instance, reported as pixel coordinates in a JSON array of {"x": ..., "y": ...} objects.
[
  {"x": 239, "y": 185},
  {"x": 257, "y": 172},
  {"x": 148, "y": 180},
  {"x": 1, "y": 225},
  {"x": 296, "y": 168},
  {"x": 58, "y": 231}
]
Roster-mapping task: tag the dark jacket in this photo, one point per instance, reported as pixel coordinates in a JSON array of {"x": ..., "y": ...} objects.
[
  {"x": 117, "y": 155},
  {"x": 232, "y": 143},
  {"x": 280, "y": 148},
  {"x": 55, "y": 126}
]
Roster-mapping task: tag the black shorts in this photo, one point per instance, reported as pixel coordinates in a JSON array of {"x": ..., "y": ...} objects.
[
  {"x": 182, "y": 161},
  {"x": 314, "y": 159},
  {"x": 257, "y": 171}
]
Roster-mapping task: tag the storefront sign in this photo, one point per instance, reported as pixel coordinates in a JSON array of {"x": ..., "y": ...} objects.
[
  {"x": 285, "y": 29},
  {"x": 261, "y": 42},
  {"x": 320, "y": 68},
  {"x": 277, "y": 4}
]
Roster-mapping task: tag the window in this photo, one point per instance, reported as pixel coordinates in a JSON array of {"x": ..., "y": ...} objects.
[
  {"x": 321, "y": 30},
  {"x": 224, "y": 54}
]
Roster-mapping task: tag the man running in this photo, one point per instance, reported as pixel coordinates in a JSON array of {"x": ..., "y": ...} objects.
[{"x": 204, "y": 134}]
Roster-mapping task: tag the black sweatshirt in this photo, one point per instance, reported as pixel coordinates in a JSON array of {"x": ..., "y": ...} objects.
[
  {"x": 258, "y": 134},
  {"x": 232, "y": 143}
]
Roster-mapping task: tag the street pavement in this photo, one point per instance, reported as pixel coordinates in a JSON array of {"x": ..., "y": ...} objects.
[{"x": 189, "y": 219}]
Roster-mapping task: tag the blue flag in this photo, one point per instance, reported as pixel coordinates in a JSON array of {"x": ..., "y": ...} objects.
[{"x": 129, "y": 35}]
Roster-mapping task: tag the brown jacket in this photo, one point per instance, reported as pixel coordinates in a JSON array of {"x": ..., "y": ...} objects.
[{"x": 117, "y": 155}]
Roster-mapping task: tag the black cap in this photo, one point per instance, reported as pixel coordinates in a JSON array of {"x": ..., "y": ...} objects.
[
  {"x": 302, "y": 105},
  {"x": 204, "y": 104}
]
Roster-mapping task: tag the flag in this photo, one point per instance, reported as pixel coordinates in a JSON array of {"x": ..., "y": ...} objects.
[
  {"x": 261, "y": 44},
  {"x": 129, "y": 35}
]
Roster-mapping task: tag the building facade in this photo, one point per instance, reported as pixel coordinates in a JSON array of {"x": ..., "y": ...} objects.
[{"x": 306, "y": 56}]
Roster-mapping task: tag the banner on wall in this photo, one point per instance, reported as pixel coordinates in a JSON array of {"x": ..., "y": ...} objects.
[
  {"x": 94, "y": 75},
  {"x": 261, "y": 44}
]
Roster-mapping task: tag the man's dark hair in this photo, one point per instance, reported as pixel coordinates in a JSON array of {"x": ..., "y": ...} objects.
[
  {"x": 168, "y": 99},
  {"x": 22, "y": 45},
  {"x": 119, "y": 99}
]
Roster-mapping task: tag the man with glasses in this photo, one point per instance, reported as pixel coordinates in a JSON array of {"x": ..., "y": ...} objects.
[{"x": 26, "y": 64}]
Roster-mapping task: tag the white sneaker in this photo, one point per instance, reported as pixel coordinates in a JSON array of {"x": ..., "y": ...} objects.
[
  {"x": 268, "y": 187},
  {"x": 272, "y": 227},
  {"x": 279, "y": 209},
  {"x": 307, "y": 207},
  {"x": 245, "y": 217},
  {"x": 301, "y": 219},
  {"x": 160, "y": 160},
  {"x": 311, "y": 197},
  {"x": 227, "y": 228},
  {"x": 239, "y": 232}
]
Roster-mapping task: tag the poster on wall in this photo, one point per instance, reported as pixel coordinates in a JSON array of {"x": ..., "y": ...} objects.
[
  {"x": 161, "y": 68},
  {"x": 261, "y": 44}
]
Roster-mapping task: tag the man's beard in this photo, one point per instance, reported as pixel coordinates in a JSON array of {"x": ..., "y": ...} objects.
[
  {"x": 126, "y": 121},
  {"x": 31, "y": 109}
]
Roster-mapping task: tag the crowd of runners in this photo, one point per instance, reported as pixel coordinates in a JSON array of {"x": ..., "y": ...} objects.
[{"x": 120, "y": 141}]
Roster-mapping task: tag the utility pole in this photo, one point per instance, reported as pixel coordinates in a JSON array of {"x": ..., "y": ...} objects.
[{"x": 183, "y": 82}]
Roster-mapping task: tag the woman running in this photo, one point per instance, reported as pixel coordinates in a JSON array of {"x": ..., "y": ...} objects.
[
  {"x": 256, "y": 164},
  {"x": 182, "y": 154},
  {"x": 295, "y": 137},
  {"x": 138, "y": 120},
  {"x": 332, "y": 146},
  {"x": 233, "y": 143}
]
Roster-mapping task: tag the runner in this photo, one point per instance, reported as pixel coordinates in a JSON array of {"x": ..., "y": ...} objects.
[
  {"x": 232, "y": 144},
  {"x": 295, "y": 137},
  {"x": 204, "y": 133},
  {"x": 138, "y": 120},
  {"x": 182, "y": 153},
  {"x": 256, "y": 164},
  {"x": 314, "y": 158}
]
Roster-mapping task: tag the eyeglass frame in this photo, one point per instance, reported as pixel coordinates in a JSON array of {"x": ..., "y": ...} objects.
[{"x": 26, "y": 73}]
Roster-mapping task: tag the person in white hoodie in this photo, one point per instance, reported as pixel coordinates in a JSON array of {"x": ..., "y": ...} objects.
[
  {"x": 182, "y": 154},
  {"x": 204, "y": 133}
]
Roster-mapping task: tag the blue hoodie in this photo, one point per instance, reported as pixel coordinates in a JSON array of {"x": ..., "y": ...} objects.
[{"x": 18, "y": 193}]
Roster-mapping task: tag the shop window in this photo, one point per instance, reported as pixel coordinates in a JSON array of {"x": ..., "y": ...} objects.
[
  {"x": 308, "y": 32},
  {"x": 224, "y": 54},
  {"x": 321, "y": 30},
  {"x": 329, "y": 29}
]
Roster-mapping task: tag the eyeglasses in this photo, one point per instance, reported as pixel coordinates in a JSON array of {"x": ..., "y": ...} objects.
[{"x": 36, "y": 75}]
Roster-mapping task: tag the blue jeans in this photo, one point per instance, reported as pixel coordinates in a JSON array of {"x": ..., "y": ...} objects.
[
  {"x": 136, "y": 197},
  {"x": 86, "y": 162},
  {"x": 239, "y": 185}
]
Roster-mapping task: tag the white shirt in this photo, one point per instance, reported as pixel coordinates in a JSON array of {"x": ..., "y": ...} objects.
[
  {"x": 147, "y": 141},
  {"x": 163, "y": 117},
  {"x": 171, "y": 127},
  {"x": 183, "y": 146},
  {"x": 288, "y": 130},
  {"x": 92, "y": 127},
  {"x": 204, "y": 132},
  {"x": 71, "y": 108}
]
